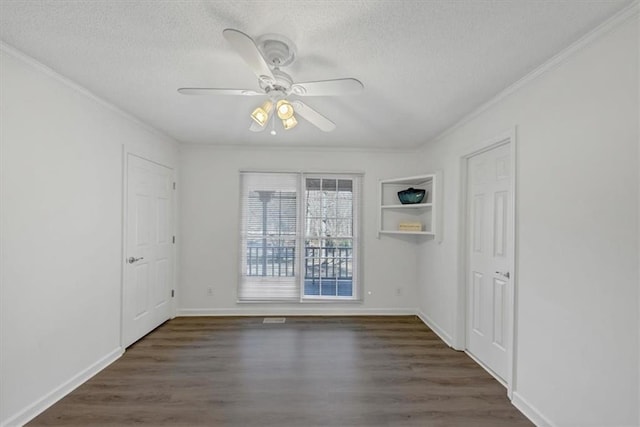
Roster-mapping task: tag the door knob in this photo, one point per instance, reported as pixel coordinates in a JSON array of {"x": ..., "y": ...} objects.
[
  {"x": 505, "y": 274},
  {"x": 132, "y": 259}
]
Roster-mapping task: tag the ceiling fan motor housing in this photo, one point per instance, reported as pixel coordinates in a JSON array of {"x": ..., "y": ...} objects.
[
  {"x": 277, "y": 49},
  {"x": 279, "y": 88}
]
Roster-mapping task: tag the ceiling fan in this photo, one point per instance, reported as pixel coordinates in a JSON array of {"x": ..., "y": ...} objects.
[{"x": 265, "y": 56}]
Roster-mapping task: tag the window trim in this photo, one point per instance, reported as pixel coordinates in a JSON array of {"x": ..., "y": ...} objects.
[
  {"x": 357, "y": 178},
  {"x": 356, "y": 234}
]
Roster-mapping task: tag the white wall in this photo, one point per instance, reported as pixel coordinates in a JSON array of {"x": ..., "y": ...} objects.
[
  {"x": 61, "y": 226},
  {"x": 209, "y": 229},
  {"x": 577, "y": 250},
  {"x": 578, "y": 266}
]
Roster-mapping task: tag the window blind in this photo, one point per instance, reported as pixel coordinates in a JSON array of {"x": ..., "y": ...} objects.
[{"x": 269, "y": 237}]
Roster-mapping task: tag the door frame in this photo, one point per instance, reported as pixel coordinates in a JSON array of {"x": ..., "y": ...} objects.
[
  {"x": 125, "y": 193},
  {"x": 508, "y": 137}
]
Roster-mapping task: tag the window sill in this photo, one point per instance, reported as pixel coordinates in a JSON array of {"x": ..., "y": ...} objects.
[{"x": 304, "y": 301}]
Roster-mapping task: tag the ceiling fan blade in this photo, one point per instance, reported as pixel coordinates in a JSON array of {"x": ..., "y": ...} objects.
[
  {"x": 216, "y": 91},
  {"x": 247, "y": 49},
  {"x": 313, "y": 117},
  {"x": 328, "y": 87}
]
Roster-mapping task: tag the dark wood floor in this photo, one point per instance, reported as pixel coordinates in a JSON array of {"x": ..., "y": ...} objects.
[{"x": 310, "y": 371}]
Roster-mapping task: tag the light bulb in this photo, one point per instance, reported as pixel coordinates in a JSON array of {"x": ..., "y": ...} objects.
[{"x": 285, "y": 109}]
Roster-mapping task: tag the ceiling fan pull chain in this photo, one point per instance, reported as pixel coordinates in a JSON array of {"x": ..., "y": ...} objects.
[{"x": 273, "y": 125}]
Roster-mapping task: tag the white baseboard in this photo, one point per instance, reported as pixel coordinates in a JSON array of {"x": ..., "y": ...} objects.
[
  {"x": 486, "y": 368},
  {"x": 435, "y": 328},
  {"x": 521, "y": 404},
  {"x": 36, "y": 408},
  {"x": 530, "y": 412},
  {"x": 260, "y": 310}
]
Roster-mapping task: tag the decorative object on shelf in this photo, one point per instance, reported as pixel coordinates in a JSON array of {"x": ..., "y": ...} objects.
[
  {"x": 409, "y": 226},
  {"x": 411, "y": 196}
]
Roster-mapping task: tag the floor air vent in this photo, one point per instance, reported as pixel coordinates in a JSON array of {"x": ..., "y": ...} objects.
[{"x": 274, "y": 320}]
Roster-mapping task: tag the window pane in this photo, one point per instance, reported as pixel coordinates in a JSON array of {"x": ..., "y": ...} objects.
[
  {"x": 271, "y": 213},
  {"x": 313, "y": 202},
  {"x": 329, "y": 288},
  {"x": 344, "y": 204},
  {"x": 328, "y": 267},
  {"x": 345, "y": 185},
  {"x": 269, "y": 257},
  {"x": 329, "y": 228},
  {"x": 281, "y": 213},
  {"x": 345, "y": 287},
  {"x": 314, "y": 227},
  {"x": 329, "y": 237},
  {"x": 313, "y": 184},
  {"x": 329, "y": 184},
  {"x": 344, "y": 227}
]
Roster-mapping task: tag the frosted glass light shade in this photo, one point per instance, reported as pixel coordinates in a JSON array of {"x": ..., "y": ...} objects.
[
  {"x": 262, "y": 113},
  {"x": 285, "y": 109},
  {"x": 289, "y": 123}
]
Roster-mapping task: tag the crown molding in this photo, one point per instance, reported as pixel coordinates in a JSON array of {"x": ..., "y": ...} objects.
[
  {"x": 311, "y": 148},
  {"x": 610, "y": 24},
  {"x": 39, "y": 66}
]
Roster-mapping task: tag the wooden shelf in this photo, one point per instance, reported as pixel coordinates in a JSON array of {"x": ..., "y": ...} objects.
[
  {"x": 419, "y": 233},
  {"x": 392, "y": 213},
  {"x": 414, "y": 206}
]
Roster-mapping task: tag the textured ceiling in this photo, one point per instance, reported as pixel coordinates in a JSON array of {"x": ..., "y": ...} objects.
[{"x": 424, "y": 64}]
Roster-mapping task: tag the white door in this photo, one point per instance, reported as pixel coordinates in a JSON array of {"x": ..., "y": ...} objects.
[
  {"x": 489, "y": 292},
  {"x": 148, "y": 271}
]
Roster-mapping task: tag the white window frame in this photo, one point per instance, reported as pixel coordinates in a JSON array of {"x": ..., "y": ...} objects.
[
  {"x": 356, "y": 287},
  {"x": 356, "y": 180}
]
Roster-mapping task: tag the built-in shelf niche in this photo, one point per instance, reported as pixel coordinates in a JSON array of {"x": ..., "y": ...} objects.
[{"x": 393, "y": 213}]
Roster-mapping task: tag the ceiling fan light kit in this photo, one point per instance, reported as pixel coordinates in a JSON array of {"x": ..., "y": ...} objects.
[
  {"x": 262, "y": 114},
  {"x": 285, "y": 110},
  {"x": 265, "y": 56},
  {"x": 289, "y": 123}
]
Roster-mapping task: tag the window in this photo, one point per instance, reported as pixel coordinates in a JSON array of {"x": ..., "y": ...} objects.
[
  {"x": 328, "y": 238},
  {"x": 299, "y": 237}
]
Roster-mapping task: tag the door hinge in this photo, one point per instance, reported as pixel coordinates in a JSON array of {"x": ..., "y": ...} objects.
[
  {"x": 173, "y": 293},
  {"x": 174, "y": 239},
  {"x": 174, "y": 185}
]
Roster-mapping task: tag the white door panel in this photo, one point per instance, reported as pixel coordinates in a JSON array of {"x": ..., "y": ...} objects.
[
  {"x": 148, "y": 267},
  {"x": 489, "y": 239}
]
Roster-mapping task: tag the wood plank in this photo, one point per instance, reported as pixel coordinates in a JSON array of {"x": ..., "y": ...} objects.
[{"x": 309, "y": 371}]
